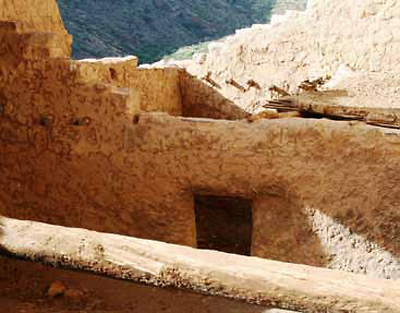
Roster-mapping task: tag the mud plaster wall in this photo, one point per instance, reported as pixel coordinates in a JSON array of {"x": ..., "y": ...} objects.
[
  {"x": 61, "y": 113},
  {"x": 47, "y": 82},
  {"x": 170, "y": 90},
  {"x": 158, "y": 90},
  {"x": 35, "y": 25},
  {"x": 142, "y": 182}
]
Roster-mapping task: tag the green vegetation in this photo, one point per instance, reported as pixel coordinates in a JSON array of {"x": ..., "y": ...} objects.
[
  {"x": 187, "y": 52},
  {"x": 152, "y": 29}
]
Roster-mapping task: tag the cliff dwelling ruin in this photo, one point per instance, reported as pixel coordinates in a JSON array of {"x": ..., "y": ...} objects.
[{"x": 142, "y": 170}]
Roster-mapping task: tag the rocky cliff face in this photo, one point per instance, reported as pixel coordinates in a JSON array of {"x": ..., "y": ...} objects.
[
  {"x": 33, "y": 29},
  {"x": 32, "y": 15},
  {"x": 356, "y": 42}
]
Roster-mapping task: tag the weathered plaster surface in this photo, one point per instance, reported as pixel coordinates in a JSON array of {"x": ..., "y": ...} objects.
[{"x": 139, "y": 180}]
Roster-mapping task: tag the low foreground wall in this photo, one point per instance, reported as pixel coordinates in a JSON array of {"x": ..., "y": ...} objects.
[{"x": 255, "y": 280}]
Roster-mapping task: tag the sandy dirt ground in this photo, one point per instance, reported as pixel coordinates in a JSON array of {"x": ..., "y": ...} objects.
[{"x": 24, "y": 288}]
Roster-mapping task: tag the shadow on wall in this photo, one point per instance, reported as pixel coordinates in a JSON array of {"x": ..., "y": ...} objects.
[
  {"x": 199, "y": 99},
  {"x": 281, "y": 231}
]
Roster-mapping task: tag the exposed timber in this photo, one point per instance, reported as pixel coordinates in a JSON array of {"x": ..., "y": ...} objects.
[{"x": 322, "y": 104}]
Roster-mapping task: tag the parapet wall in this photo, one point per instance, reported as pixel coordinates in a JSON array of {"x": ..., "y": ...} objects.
[
  {"x": 170, "y": 90},
  {"x": 158, "y": 90}
]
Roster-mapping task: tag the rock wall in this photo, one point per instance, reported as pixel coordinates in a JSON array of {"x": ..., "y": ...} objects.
[
  {"x": 32, "y": 15},
  {"x": 363, "y": 35},
  {"x": 32, "y": 29}
]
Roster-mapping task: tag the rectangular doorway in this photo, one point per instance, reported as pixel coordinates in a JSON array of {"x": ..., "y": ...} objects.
[{"x": 224, "y": 223}]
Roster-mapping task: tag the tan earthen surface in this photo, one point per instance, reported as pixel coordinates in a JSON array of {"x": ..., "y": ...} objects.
[{"x": 139, "y": 179}]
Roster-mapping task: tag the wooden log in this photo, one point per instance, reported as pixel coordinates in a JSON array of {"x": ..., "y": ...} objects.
[
  {"x": 235, "y": 84},
  {"x": 282, "y": 285},
  {"x": 254, "y": 84},
  {"x": 323, "y": 104},
  {"x": 211, "y": 81}
]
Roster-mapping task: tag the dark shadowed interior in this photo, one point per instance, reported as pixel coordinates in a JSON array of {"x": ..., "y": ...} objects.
[{"x": 223, "y": 224}]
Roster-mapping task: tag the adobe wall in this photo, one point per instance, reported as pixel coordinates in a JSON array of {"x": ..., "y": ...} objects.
[
  {"x": 139, "y": 180},
  {"x": 158, "y": 90},
  {"x": 54, "y": 109},
  {"x": 170, "y": 90},
  {"x": 53, "y": 84}
]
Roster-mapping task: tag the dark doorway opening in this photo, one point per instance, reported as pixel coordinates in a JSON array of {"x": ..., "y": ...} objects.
[{"x": 224, "y": 224}]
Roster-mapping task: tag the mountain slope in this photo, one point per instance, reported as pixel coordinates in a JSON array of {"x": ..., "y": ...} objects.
[{"x": 153, "y": 28}]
